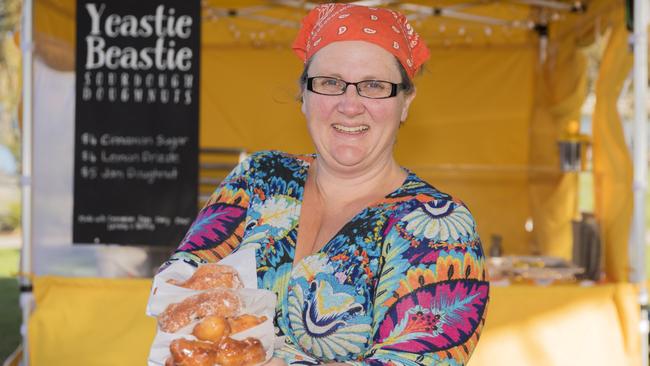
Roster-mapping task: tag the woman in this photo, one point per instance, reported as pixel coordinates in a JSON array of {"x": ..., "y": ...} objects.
[{"x": 371, "y": 265}]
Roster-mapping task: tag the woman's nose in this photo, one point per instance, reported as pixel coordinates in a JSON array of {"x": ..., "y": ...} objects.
[{"x": 351, "y": 102}]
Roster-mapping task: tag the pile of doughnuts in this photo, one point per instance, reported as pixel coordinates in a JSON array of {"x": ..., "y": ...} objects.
[{"x": 218, "y": 312}]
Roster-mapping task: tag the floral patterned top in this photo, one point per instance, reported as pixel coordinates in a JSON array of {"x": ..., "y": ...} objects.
[{"x": 402, "y": 283}]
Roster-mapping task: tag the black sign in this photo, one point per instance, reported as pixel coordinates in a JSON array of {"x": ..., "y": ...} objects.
[
  {"x": 629, "y": 15},
  {"x": 137, "y": 112}
]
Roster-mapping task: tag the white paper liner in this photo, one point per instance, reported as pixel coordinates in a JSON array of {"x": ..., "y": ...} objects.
[{"x": 257, "y": 302}]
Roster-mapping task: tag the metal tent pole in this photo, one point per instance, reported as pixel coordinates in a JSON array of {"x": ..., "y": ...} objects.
[
  {"x": 27, "y": 48},
  {"x": 640, "y": 145}
]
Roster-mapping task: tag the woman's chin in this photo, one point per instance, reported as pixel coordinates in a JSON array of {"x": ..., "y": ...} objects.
[{"x": 349, "y": 157}]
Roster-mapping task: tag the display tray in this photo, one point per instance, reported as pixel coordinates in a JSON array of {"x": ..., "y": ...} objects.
[{"x": 535, "y": 269}]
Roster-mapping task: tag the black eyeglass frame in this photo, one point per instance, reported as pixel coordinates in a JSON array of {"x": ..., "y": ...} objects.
[{"x": 395, "y": 88}]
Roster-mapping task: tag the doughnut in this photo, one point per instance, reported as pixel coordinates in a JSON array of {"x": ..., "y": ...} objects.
[
  {"x": 232, "y": 352},
  {"x": 245, "y": 321},
  {"x": 218, "y": 301},
  {"x": 192, "y": 353},
  {"x": 229, "y": 352},
  {"x": 211, "y": 275},
  {"x": 213, "y": 328}
]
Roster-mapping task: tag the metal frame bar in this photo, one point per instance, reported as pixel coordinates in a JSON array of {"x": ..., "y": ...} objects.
[
  {"x": 297, "y": 4},
  {"x": 637, "y": 246},
  {"x": 374, "y": 2},
  {"x": 555, "y": 5},
  {"x": 417, "y": 11},
  {"x": 27, "y": 50},
  {"x": 454, "y": 13},
  {"x": 271, "y": 20}
]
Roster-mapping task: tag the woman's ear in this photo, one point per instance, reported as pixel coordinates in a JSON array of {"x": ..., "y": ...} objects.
[
  {"x": 302, "y": 104},
  {"x": 407, "y": 103}
]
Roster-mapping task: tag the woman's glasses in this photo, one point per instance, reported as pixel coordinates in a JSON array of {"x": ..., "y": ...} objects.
[{"x": 374, "y": 89}]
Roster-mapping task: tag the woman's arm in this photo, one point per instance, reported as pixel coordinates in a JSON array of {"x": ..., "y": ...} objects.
[
  {"x": 432, "y": 292},
  {"x": 219, "y": 226}
]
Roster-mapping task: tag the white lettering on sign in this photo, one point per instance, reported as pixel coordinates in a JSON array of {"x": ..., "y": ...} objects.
[{"x": 162, "y": 55}]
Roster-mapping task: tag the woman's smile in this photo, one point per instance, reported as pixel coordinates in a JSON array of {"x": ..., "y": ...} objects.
[{"x": 350, "y": 130}]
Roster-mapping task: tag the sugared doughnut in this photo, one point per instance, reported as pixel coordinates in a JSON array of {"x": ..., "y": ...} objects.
[
  {"x": 218, "y": 301},
  {"x": 211, "y": 275}
]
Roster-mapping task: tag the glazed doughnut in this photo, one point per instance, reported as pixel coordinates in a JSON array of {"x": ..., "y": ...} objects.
[
  {"x": 211, "y": 275},
  {"x": 192, "y": 353},
  {"x": 213, "y": 328},
  {"x": 232, "y": 352},
  {"x": 245, "y": 321},
  {"x": 218, "y": 301}
]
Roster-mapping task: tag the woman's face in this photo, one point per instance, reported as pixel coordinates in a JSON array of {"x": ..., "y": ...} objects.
[{"x": 350, "y": 132}]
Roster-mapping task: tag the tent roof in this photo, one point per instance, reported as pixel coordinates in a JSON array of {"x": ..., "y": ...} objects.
[{"x": 443, "y": 23}]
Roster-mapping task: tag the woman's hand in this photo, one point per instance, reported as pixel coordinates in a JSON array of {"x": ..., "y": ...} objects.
[{"x": 276, "y": 362}]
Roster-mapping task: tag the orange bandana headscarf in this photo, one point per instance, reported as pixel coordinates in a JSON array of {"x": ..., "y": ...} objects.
[{"x": 386, "y": 28}]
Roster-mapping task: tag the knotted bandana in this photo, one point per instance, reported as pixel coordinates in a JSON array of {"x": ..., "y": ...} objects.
[{"x": 328, "y": 23}]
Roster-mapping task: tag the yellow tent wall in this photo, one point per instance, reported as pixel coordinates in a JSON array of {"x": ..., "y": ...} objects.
[
  {"x": 612, "y": 162},
  {"x": 458, "y": 118},
  {"x": 81, "y": 321}
]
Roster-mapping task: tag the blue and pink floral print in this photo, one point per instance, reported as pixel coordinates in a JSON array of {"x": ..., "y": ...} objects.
[{"x": 402, "y": 283}]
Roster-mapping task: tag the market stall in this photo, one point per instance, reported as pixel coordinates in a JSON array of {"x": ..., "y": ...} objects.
[{"x": 504, "y": 84}]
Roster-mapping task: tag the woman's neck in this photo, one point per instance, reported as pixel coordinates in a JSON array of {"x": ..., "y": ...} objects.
[{"x": 345, "y": 186}]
